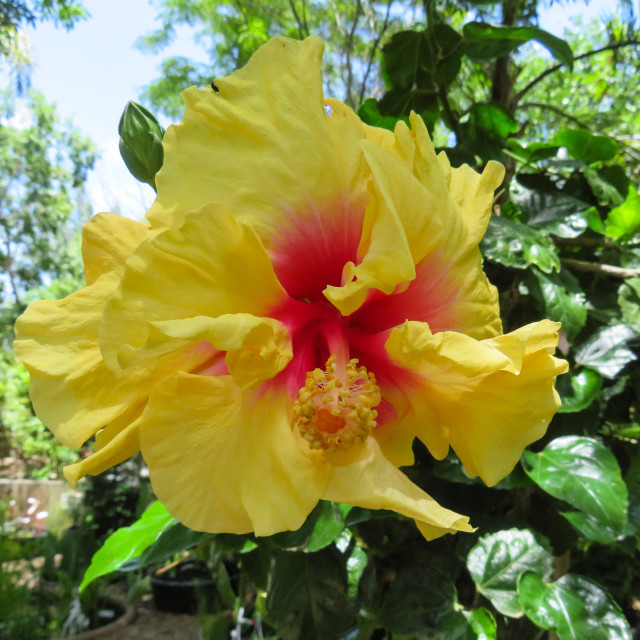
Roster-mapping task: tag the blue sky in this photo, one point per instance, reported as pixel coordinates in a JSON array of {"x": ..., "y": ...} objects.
[{"x": 92, "y": 71}]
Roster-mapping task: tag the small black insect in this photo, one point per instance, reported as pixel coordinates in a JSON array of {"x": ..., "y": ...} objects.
[{"x": 214, "y": 87}]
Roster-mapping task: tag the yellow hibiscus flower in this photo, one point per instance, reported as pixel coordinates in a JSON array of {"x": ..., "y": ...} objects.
[{"x": 307, "y": 298}]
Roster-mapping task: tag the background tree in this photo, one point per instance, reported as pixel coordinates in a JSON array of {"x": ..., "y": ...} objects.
[{"x": 15, "y": 15}]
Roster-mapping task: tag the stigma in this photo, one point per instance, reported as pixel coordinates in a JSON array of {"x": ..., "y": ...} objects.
[{"x": 335, "y": 408}]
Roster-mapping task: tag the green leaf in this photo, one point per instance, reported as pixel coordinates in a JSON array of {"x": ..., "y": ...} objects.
[
  {"x": 356, "y": 564},
  {"x": 606, "y": 192},
  {"x": 370, "y": 114},
  {"x": 329, "y": 526},
  {"x": 584, "y": 473},
  {"x": 629, "y": 301},
  {"x": 586, "y": 387},
  {"x": 449, "y": 53},
  {"x": 483, "y": 624},
  {"x": 175, "y": 539},
  {"x": 516, "y": 245},
  {"x": 406, "y": 59},
  {"x": 574, "y": 607},
  {"x": 307, "y": 595},
  {"x": 606, "y": 351},
  {"x": 141, "y": 143},
  {"x": 583, "y": 145},
  {"x": 555, "y": 213},
  {"x": 419, "y": 597},
  {"x": 485, "y": 41},
  {"x": 624, "y": 221},
  {"x": 494, "y": 119},
  {"x": 498, "y": 559},
  {"x": 564, "y": 300},
  {"x": 128, "y": 542}
]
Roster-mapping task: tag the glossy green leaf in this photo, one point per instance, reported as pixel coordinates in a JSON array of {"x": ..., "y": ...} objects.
[
  {"x": 606, "y": 351},
  {"x": 607, "y": 193},
  {"x": 629, "y": 301},
  {"x": 586, "y": 387},
  {"x": 623, "y": 222},
  {"x": 564, "y": 300},
  {"x": 574, "y": 607},
  {"x": 329, "y": 525},
  {"x": 556, "y": 213},
  {"x": 307, "y": 595},
  {"x": 516, "y": 245},
  {"x": 128, "y": 542},
  {"x": 498, "y": 559},
  {"x": 584, "y": 473},
  {"x": 356, "y": 564},
  {"x": 583, "y": 145},
  {"x": 175, "y": 539},
  {"x": 483, "y": 624},
  {"x": 485, "y": 41}
]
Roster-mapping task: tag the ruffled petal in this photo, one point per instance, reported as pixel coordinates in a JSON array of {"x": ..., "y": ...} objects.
[
  {"x": 107, "y": 241},
  {"x": 226, "y": 461},
  {"x": 367, "y": 479},
  {"x": 488, "y": 399},
  {"x": 72, "y": 390},
  {"x": 114, "y": 444},
  {"x": 241, "y": 146},
  {"x": 209, "y": 265},
  {"x": 257, "y": 349}
]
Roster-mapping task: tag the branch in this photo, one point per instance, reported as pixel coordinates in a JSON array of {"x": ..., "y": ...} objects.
[
  {"x": 595, "y": 267},
  {"x": 544, "y": 74},
  {"x": 607, "y": 243},
  {"x": 557, "y": 110},
  {"x": 297, "y": 19},
  {"x": 349, "y": 47},
  {"x": 372, "y": 52}
]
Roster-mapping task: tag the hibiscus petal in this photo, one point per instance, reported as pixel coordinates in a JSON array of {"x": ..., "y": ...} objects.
[
  {"x": 371, "y": 481},
  {"x": 107, "y": 241},
  {"x": 257, "y": 348},
  {"x": 223, "y": 460},
  {"x": 114, "y": 444},
  {"x": 488, "y": 399},
  {"x": 209, "y": 265},
  {"x": 241, "y": 146},
  {"x": 72, "y": 390}
]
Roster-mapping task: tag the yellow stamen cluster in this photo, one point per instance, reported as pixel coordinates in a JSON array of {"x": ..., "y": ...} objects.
[{"x": 334, "y": 409}]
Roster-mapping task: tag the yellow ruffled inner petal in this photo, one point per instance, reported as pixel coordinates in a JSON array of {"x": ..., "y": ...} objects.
[
  {"x": 488, "y": 399},
  {"x": 209, "y": 265}
]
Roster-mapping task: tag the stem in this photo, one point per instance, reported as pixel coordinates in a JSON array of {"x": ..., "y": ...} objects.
[
  {"x": 544, "y": 74},
  {"x": 595, "y": 267},
  {"x": 587, "y": 242}
]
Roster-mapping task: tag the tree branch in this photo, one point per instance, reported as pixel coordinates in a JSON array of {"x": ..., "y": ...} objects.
[
  {"x": 596, "y": 267},
  {"x": 544, "y": 74},
  {"x": 557, "y": 110},
  {"x": 349, "y": 47},
  {"x": 372, "y": 51},
  {"x": 297, "y": 18}
]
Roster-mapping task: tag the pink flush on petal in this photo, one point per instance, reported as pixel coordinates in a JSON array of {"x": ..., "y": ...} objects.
[{"x": 309, "y": 255}]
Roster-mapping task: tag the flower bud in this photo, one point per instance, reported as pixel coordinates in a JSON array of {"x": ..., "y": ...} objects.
[{"x": 141, "y": 142}]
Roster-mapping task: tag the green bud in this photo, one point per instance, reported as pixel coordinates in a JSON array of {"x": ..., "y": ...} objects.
[{"x": 141, "y": 143}]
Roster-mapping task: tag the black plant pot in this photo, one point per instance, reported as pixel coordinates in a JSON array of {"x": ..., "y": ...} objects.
[{"x": 185, "y": 588}]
